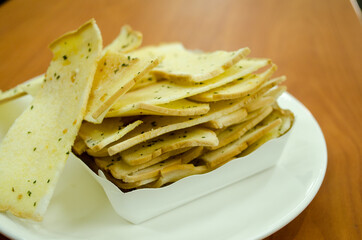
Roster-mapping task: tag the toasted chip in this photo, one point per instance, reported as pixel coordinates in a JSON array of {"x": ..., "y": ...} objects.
[
  {"x": 154, "y": 126},
  {"x": 119, "y": 169},
  {"x": 127, "y": 40},
  {"x": 214, "y": 158},
  {"x": 145, "y": 81},
  {"x": 276, "y": 92},
  {"x": 232, "y": 133},
  {"x": 190, "y": 66},
  {"x": 126, "y": 186},
  {"x": 79, "y": 146},
  {"x": 176, "y": 172},
  {"x": 191, "y": 154},
  {"x": 152, "y": 171},
  {"x": 97, "y": 136},
  {"x": 165, "y": 91},
  {"x": 236, "y": 89},
  {"x": 263, "y": 101},
  {"x": 47, "y": 129},
  {"x": 31, "y": 87},
  {"x": 287, "y": 118},
  {"x": 190, "y": 137},
  {"x": 232, "y": 118},
  {"x": 182, "y": 107},
  {"x": 115, "y": 75}
]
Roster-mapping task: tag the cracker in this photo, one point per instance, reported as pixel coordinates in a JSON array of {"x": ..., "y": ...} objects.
[
  {"x": 154, "y": 126},
  {"x": 261, "y": 102},
  {"x": 190, "y": 137},
  {"x": 236, "y": 89},
  {"x": 127, "y": 40},
  {"x": 216, "y": 157},
  {"x": 166, "y": 91},
  {"x": 176, "y": 172},
  {"x": 232, "y": 118},
  {"x": 232, "y": 133},
  {"x": 119, "y": 169},
  {"x": 116, "y": 74},
  {"x": 191, "y": 154},
  {"x": 182, "y": 107},
  {"x": 128, "y": 186},
  {"x": 187, "y": 66},
  {"x": 146, "y": 80},
  {"x": 46, "y": 130},
  {"x": 31, "y": 87},
  {"x": 151, "y": 171},
  {"x": 79, "y": 146},
  {"x": 97, "y": 136}
]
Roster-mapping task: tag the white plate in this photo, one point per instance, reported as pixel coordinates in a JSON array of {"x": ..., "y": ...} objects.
[{"x": 250, "y": 209}]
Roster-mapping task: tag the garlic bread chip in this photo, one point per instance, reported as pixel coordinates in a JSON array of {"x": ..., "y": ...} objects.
[
  {"x": 287, "y": 118},
  {"x": 263, "y": 101},
  {"x": 151, "y": 171},
  {"x": 36, "y": 147},
  {"x": 79, "y": 146},
  {"x": 181, "y": 107},
  {"x": 234, "y": 132},
  {"x": 236, "y": 89},
  {"x": 232, "y": 118},
  {"x": 190, "y": 137},
  {"x": 166, "y": 91},
  {"x": 187, "y": 66},
  {"x": 31, "y": 87},
  {"x": 97, "y": 136},
  {"x": 116, "y": 74},
  {"x": 119, "y": 169},
  {"x": 127, "y": 40},
  {"x": 154, "y": 126},
  {"x": 128, "y": 186},
  {"x": 218, "y": 156},
  {"x": 176, "y": 172},
  {"x": 145, "y": 81}
]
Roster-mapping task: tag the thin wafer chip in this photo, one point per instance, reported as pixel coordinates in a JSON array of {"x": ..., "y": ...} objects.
[
  {"x": 261, "y": 102},
  {"x": 154, "y": 126},
  {"x": 119, "y": 169},
  {"x": 176, "y": 172},
  {"x": 31, "y": 87},
  {"x": 97, "y": 136},
  {"x": 165, "y": 91},
  {"x": 79, "y": 146},
  {"x": 116, "y": 74},
  {"x": 216, "y": 157},
  {"x": 151, "y": 171},
  {"x": 145, "y": 81},
  {"x": 236, "y": 89},
  {"x": 127, "y": 40},
  {"x": 182, "y": 107},
  {"x": 190, "y": 137},
  {"x": 191, "y": 154},
  {"x": 28, "y": 178},
  {"x": 232, "y": 133},
  {"x": 127, "y": 186},
  {"x": 190, "y": 67},
  {"x": 232, "y": 118}
]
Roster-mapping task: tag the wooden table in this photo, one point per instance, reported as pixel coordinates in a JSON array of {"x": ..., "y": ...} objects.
[{"x": 317, "y": 44}]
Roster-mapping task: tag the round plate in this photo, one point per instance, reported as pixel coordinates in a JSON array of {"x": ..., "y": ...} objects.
[{"x": 250, "y": 209}]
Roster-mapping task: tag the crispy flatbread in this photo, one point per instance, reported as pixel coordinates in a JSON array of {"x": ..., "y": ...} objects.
[
  {"x": 154, "y": 126},
  {"x": 232, "y": 133},
  {"x": 189, "y": 137},
  {"x": 236, "y": 89},
  {"x": 166, "y": 91},
  {"x": 119, "y": 169},
  {"x": 46, "y": 130},
  {"x": 97, "y": 136},
  {"x": 232, "y": 118},
  {"x": 216, "y": 157},
  {"x": 116, "y": 74},
  {"x": 127, "y": 40}
]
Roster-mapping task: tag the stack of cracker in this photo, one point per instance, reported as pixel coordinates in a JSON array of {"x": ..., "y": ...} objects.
[{"x": 161, "y": 113}]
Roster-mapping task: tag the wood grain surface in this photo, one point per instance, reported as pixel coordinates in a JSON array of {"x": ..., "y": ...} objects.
[{"x": 317, "y": 44}]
